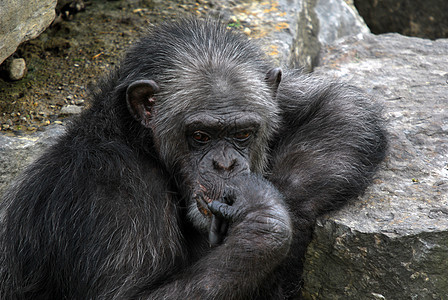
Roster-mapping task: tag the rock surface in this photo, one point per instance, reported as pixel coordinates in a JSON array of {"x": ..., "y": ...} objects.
[
  {"x": 17, "y": 152},
  {"x": 320, "y": 23},
  {"x": 22, "y": 20},
  {"x": 393, "y": 244},
  {"x": 293, "y": 31},
  {"x": 16, "y": 68},
  {"x": 71, "y": 110}
]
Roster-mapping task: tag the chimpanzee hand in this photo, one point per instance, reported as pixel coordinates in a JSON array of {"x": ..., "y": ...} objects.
[
  {"x": 255, "y": 202},
  {"x": 223, "y": 213}
]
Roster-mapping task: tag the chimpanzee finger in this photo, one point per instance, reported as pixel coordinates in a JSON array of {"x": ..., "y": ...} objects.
[
  {"x": 214, "y": 237},
  {"x": 222, "y": 210},
  {"x": 218, "y": 230},
  {"x": 223, "y": 228}
]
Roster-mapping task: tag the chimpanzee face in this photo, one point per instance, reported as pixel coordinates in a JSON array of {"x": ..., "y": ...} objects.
[
  {"x": 208, "y": 130},
  {"x": 221, "y": 144},
  {"x": 220, "y": 148}
]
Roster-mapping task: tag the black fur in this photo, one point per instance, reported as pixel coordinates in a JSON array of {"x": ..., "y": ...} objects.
[
  {"x": 326, "y": 153},
  {"x": 125, "y": 204}
]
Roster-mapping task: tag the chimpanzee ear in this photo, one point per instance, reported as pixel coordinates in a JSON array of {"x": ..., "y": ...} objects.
[
  {"x": 273, "y": 78},
  {"x": 140, "y": 99}
]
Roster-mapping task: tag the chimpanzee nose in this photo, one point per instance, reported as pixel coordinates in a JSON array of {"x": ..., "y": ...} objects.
[{"x": 224, "y": 164}]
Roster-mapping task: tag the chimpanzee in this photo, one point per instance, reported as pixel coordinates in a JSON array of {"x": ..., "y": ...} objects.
[{"x": 197, "y": 173}]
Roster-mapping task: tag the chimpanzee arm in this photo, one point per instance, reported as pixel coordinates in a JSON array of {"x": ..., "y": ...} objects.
[
  {"x": 328, "y": 148},
  {"x": 256, "y": 243},
  {"x": 329, "y": 145}
]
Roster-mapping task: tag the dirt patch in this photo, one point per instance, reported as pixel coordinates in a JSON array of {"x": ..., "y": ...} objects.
[{"x": 72, "y": 54}]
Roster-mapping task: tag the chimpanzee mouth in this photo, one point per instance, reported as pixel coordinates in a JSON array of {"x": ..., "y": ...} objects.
[{"x": 201, "y": 202}]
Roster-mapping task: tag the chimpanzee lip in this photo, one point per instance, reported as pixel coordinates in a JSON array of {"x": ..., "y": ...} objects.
[
  {"x": 204, "y": 196},
  {"x": 201, "y": 202}
]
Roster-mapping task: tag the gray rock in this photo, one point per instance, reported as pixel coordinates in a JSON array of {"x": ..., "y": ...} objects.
[
  {"x": 312, "y": 24},
  {"x": 337, "y": 19},
  {"x": 293, "y": 31},
  {"x": 79, "y": 101},
  {"x": 16, "y": 69},
  {"x": 22, "y": 20},
  {"x": 320, "y": 23},
  {"x": 18, "y": 152},
  {"x": 393, "y": 243},
  {"x": 71, "y": 110}
]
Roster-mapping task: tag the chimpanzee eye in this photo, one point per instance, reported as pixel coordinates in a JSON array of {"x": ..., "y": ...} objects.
[
  {"x": 242, "y": 135},
  {"x": 201, "y": 137}
]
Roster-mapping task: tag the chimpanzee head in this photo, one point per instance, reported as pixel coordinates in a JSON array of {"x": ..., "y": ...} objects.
[{"x": 209, "y": 103}]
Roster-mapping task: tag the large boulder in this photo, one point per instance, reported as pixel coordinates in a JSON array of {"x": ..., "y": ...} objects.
[
  {"x": 293, "y": 31},
  {"x": 393, "y": 243},
  {"x": 22, "y": 20},
  {"x": 319, "y": 23}
]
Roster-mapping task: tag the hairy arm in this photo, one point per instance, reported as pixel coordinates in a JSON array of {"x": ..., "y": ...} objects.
[
  {"x": 257, "y": 241},
  {"x": 328, "y": 148}
]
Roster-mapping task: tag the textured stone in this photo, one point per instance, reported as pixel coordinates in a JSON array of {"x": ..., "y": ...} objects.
[
  {"x": 17, "y": 152},
  {"x": 393, "y": 243},
  {"x": 337, "y": 19},
  {"x": 16, "y": 69},
  {"x": 293, "y": 31},
  {"x": 320, "y": 23},
  {"x": 22, "y": 20},
  {"x": 71, "y": 110}
]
